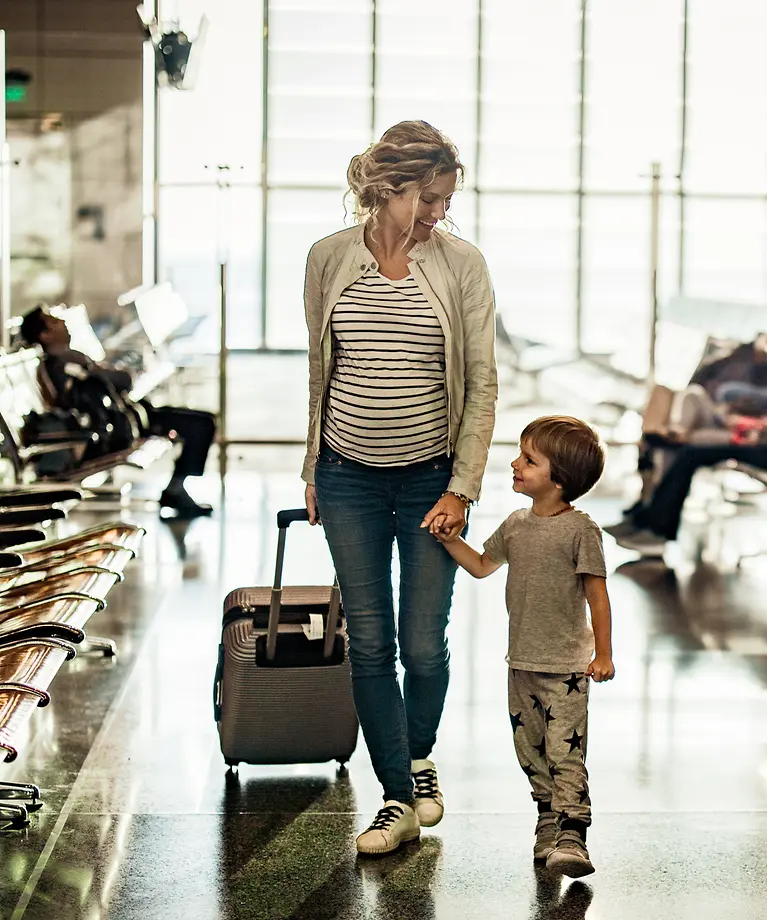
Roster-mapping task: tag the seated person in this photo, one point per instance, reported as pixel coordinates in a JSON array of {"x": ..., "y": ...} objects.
[
  {"x": 721, "y": 388},
  {"x": 194, "y": 428},
  {"x": 725, "y": 406},
  {"x": 647, "y": 527}
]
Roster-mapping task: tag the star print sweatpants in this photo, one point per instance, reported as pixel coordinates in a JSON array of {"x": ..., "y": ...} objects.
[{"x": 549, "y": 718}]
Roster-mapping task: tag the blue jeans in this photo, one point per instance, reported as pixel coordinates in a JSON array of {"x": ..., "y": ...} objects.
[{"x": 363, "y": 510}]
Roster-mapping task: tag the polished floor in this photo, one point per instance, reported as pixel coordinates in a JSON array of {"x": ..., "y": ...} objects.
[{"x": 141, "y": 820}]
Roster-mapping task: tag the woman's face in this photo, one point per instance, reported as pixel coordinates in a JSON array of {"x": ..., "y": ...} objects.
[{"x": 430, "y": 206}]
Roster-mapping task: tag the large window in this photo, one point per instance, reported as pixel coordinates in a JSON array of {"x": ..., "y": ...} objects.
[
  {"x": 559, "y": 108},
  {"x": 529, "y": 96}
]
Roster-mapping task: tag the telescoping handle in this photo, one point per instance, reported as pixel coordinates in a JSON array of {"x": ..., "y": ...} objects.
[{"x": 284, "y": 520}]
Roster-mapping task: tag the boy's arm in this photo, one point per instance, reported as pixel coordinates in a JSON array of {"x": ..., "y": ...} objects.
[
  {"x": 468, "y": 558},
  {"x": 601, "y": 668}
]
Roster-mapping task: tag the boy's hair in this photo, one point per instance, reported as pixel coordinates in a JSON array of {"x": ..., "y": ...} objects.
[
  {"x": 33, "y": 326},
  {"x": 573, "y": 449}
]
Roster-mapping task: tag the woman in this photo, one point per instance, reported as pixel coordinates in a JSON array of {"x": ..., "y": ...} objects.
[{"x": 402, "y": 391}]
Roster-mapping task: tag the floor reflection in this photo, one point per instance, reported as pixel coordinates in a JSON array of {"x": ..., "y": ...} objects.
[
  {"x": 286, "y": 848},
  {"x": 703, "y": 607},
  {"x": 553, "y": 902},
  {"x": 403, "y": 884}
]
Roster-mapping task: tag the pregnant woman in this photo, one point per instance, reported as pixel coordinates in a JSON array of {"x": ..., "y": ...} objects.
[{"x": 402, "y": 392}]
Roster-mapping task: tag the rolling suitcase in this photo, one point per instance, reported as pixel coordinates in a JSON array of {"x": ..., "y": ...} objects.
[{"x": 282, "y": 691}]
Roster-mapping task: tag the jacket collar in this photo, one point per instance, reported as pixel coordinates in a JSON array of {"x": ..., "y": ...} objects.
[{"x": 418, "y": 253}]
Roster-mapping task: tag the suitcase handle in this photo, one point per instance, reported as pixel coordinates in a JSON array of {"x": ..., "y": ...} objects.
[
  {"x": 217, "y": 684},
  {"x": 284, "y": 520}
]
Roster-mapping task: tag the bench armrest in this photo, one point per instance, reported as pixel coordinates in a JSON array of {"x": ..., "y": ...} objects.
[
  {"x": 20, "y": 536},
  {"x": 31, "y": 514},
  {"x": 20, "y": 498},
  {"x": 10, "y": 560}
]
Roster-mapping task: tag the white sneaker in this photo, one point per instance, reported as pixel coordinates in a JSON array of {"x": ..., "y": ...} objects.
[
  {"x": 394, "y": 824},
  {"x": 429, "y": 804}
]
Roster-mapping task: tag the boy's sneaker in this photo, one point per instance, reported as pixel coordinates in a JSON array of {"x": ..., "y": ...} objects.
[
  {"x": 570, "y": 856},
  {"x": 545, "y": 836},
  {"x": 394, "y": 824},
  {"x": 429, "y": 804}
]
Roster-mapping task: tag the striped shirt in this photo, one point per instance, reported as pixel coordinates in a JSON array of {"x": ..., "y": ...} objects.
[{"x": 386, "y": 404}]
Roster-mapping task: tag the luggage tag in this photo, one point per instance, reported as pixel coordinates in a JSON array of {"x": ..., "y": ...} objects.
[{"x": 315, "y": 628}]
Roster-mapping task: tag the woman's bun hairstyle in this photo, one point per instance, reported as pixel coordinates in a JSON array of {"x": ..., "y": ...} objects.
[{"x": 410, "y": 154}]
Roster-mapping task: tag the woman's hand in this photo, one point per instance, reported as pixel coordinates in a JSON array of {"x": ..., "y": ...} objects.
[
  {"x": 447, "y": 518},
  {"x": 310, "y": 497}
]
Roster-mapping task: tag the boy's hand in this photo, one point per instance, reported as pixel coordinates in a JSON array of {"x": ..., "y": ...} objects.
[
  {"x": 447, "y": 536},
  {"x": 437, "y": 525},
  {"x": 601, "y": 668},
  {"x": 441, "y": 530}
]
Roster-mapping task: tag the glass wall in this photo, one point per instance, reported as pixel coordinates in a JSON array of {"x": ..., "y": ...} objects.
[{"x": 558, "y": 108}]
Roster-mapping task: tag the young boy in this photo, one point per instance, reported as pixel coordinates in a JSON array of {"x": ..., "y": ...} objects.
[{"x": 556, "y": 566}]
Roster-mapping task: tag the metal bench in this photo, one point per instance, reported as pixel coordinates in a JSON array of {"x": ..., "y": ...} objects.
[
  {"x": 48, "y": 593},
  {"x": 35, "y": 614},
  {"x": 80, "y": 568},
  {"x": 20, "y": 395},
  {"x": 112, "y": 559},
  {"x": 116, "y": 535},
  {"x": 84, "y": 566},
  {"x": 27, "y": 668}
]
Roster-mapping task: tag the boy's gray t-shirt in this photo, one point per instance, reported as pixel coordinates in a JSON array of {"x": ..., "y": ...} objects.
[{"x": 549, "y": 626}]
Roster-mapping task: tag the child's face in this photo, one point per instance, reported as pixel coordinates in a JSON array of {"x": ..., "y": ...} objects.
[{"x": 532, "y": 473}]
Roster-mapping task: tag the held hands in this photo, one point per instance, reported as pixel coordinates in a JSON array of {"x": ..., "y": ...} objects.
[
  {"x": 601, "y": 669},
  {"x": 445, "y": 521},
  {"x": 447, "y": 536},
  {"x": 447, "y": 518}
]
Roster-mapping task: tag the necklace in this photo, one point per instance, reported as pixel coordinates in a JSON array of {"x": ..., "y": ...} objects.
[{"x": 561, "y": 511}]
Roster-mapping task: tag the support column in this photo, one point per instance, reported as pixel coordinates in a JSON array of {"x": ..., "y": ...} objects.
[
  {"x": 655, "y": 177},
  {"x": 5, "y": 212}
]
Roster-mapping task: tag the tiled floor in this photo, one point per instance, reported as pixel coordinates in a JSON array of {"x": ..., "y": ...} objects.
[{"x": 140, "y": 820}]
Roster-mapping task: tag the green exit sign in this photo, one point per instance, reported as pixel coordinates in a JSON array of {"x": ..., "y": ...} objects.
[{"x": 15, "y": 93}]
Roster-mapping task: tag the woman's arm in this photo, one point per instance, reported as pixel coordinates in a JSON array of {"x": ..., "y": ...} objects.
[
  {"x": 481, "y": 379},
  {"x": 313, "y": 311},
  {"x": 601, "y": 668}
]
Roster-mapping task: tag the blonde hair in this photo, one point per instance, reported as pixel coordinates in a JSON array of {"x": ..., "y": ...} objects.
[
  {"x": 409, "y": 156},
  {"x": 574, "y": 451}
]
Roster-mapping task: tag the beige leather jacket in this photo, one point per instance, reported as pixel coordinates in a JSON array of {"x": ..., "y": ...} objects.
[{"x": 453, "y": 277}]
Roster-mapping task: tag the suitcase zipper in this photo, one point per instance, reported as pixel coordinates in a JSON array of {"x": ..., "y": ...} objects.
[{"x": 240, "y": 612}]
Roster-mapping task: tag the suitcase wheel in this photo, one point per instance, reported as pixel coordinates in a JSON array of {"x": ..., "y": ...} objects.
[{"x": 342, "y": 768}]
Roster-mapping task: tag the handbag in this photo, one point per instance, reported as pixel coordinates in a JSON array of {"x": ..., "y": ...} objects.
[
  {"x": 46, "y": 428},
  {"x": 104, "y": 411}
]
